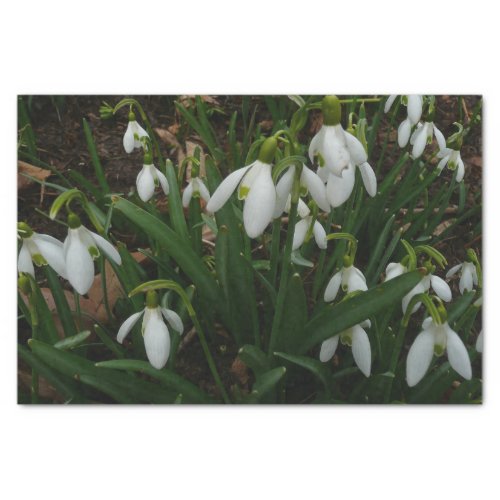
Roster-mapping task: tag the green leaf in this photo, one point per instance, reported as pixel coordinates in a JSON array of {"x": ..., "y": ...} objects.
[
  {"x": 354, "y": 310},
  {"x": 254, "y": 358},
  {"x": 266, "y": 383},
  {"x": 73, "y": 341},
  {"x": 190, "y": 392},
  {"x": 99, "y": 171},
  {"x": 176, "y": 209},
  {"x": 317, "y": 368}
]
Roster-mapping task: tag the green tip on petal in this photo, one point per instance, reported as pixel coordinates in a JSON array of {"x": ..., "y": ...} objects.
[
  {"x": 438, "y": 350},
  {"x": 151, "y": 299},
  {"x": 74, "y": 221},
  {"x": 332, "y": 110},
  {"x": 24, "y": 230},
  {"x": 267, "y": 150}
]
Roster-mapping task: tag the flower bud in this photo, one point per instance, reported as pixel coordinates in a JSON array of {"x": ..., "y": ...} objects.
[
  {"x": 267, "y": 150},
  {"x": 131, "y": 117},
  {"x": 331, "y": 110},
  {"x": 23, "y": 230},
  {"x": 148, "y": 158},
  {"x": 74, "y": 221},
  {"x": 105, "y": 112}
]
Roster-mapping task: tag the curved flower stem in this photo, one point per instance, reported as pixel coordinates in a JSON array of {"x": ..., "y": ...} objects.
[{"x": 287, "y": 259}]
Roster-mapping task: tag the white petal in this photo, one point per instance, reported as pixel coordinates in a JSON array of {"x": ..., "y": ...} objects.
[
  {"x": 334, "y": 149},
  {"x": 414, "y": 108},
  {"x": 479, "y": 342},
  {"x": 187, "y": 195},
  {"x": 140, "y": 131},
  {"x": 156, "y": 341},
  {"x": 204, "y": 192},
  {"x": 146, "y": 183},
  {"x": 453, "y": 270},
  {"x": 110, "y": 251},
  {"x": 52, "y": 251},
  {"x": 79, "y": 263},
  {"x": 128, "y": 138},
  {"x": 163, "y": 180},
  {"x": 283, "y": 190},
  {"x": 316, "y": 188},
  {"x": 419, "y": 357},
  {"x": 127, "y": 325},
  {"x": 369, "y": 178},
  {"x": 361, "y": 350},
  {"x": 24, "y": 262},
  {"x": 441, "y": 288},
  {"x": 440, "y": 138},
  {"x": 339, "y": 189},
  {"x": 457, "y": 354},
  {"x": 316, "y": 142},
  {"x": 333, "y": 287},
  {"x": 354, "y": 279},
  {"x": 356, "y": 149},
  {"x": 328, "y": 348},
  {"x": 442, "y": 163},
  {"x": 389, "y": 102},
  {"x": 404, "y": 131},
  {"x": 259, "y": 205},
  {"x": 418, "y": 288},
  {"x": 466, "y": 283},
  {"x": 173, "y": 319},
  {"x": 420, "y": 142},
  {"x": 320, "y": 235},
  {"x": 393, "y": 270},
  {"x": 302, "y": 208},
  {"x": 300, "y": 232},
  {"x": 323, "y": 173},
  {"x": 225, "y": 189}
]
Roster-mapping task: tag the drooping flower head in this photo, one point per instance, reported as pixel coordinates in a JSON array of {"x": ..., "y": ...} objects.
[
  {"x": 154, "y": 330},
  {"x": 133, "y": 134},
  {"x": 40, "y": 249},
  {"x": 195, "y": 189},
  {"x": 350, "y": 278},
  {"x": 80, "y": 248},
  {"x": 255, "y": 185},
  {"x": 436, "y": 338},
  {"x": 414, "y": 105},
  {"x": 149, "y": 178},
  {"x": 468, "y": 276},
  {"x": 356, "y": 338},
  {"x": 449, "y": 152}
]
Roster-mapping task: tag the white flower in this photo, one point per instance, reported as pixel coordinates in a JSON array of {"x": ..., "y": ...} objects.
[
  {"x": 435, "y": 339},
  {"x": 357, "y": 338},
  {"x": 133, "y": 134},
  {"x": 330, "y": 145},
  {"x": 452, "y": 159},
  {"x": 301, "y": 229},
  {"x": 309, "y": 182},
  {"x": 351, "y": 279},
  {"x": 81, "y": 247},
  {"x": 148, "y": 179},
  {"x": 422, "y": 136},
  {"x": 393, "y": 270},
  {"x": 255, "y": 185},
  {"x": 41, "y": 249},
  {"x": 414, "y": 106},
  {"x": 468, "y": 276},
  {"x": 154, "y": 331},
  {"x": 440, "y": 287},
  {"x": 196, "y": 188},
  {"x": 479, "y": 342}
]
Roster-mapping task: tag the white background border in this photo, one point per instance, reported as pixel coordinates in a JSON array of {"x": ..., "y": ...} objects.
[{"x": 256, "y": 47}]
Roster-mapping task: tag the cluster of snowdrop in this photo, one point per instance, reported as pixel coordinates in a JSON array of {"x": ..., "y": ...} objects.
[{"x": 337, "y": 154}]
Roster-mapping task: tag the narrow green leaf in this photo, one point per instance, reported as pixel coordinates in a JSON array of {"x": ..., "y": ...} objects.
[
  {"x": 317, "y": 368},
  {"x": 96, "y": 162},
  {"x": 354, "y": 310},
  {"x": 254, "y": 358},
  {"x": 176, "y": 209},
  {"x": 73, "y": 341}
]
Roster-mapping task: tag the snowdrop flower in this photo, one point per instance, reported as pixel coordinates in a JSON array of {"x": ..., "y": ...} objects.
[
  {"x": 40, "y": 249},
  {"x": 452, "y": 159},
  {"x": 149, "y": 178},
  {"x": 422, "y": 136},
  {"x": 154, "y": 330},
  {"x": 133, "y": 134},
  {"x": 355, "y": 337},
  {"x": 394, "y": 269},
  {"x": 255, "y": 185},
  {"x": 81, "y": 247},
  {"x": 350, "y": 278},
  {"x": 468, "y": 276},
  {"x": 479, "y": 342},
  {"x": 301, "y": 230},
  {"x": 438, "y": 285},
  {"x": 309, "y": 182},
  {"x": 196, "y": 188},
  {"x": 436, "y": 339},
  {"x": 414, "y": 106}
]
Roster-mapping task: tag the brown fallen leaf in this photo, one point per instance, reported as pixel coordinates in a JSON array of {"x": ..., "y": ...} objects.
[
  {"x": 240, "y": 370},
  {"x": 167, "y": 137},
  {"x": 25, "y": 168}
]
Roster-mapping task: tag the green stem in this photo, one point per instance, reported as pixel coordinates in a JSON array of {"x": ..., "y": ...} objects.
[
  {"x": 318, "y": 275},
  {"x": 34, "y": 335},
  {"x": 275, "y": 249},
  {"x": 104, "y": 285},
  {"x": 394, "y": 361},
  {"x": 253, "y": 305},
  {"x": 78, "y": 311}
]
